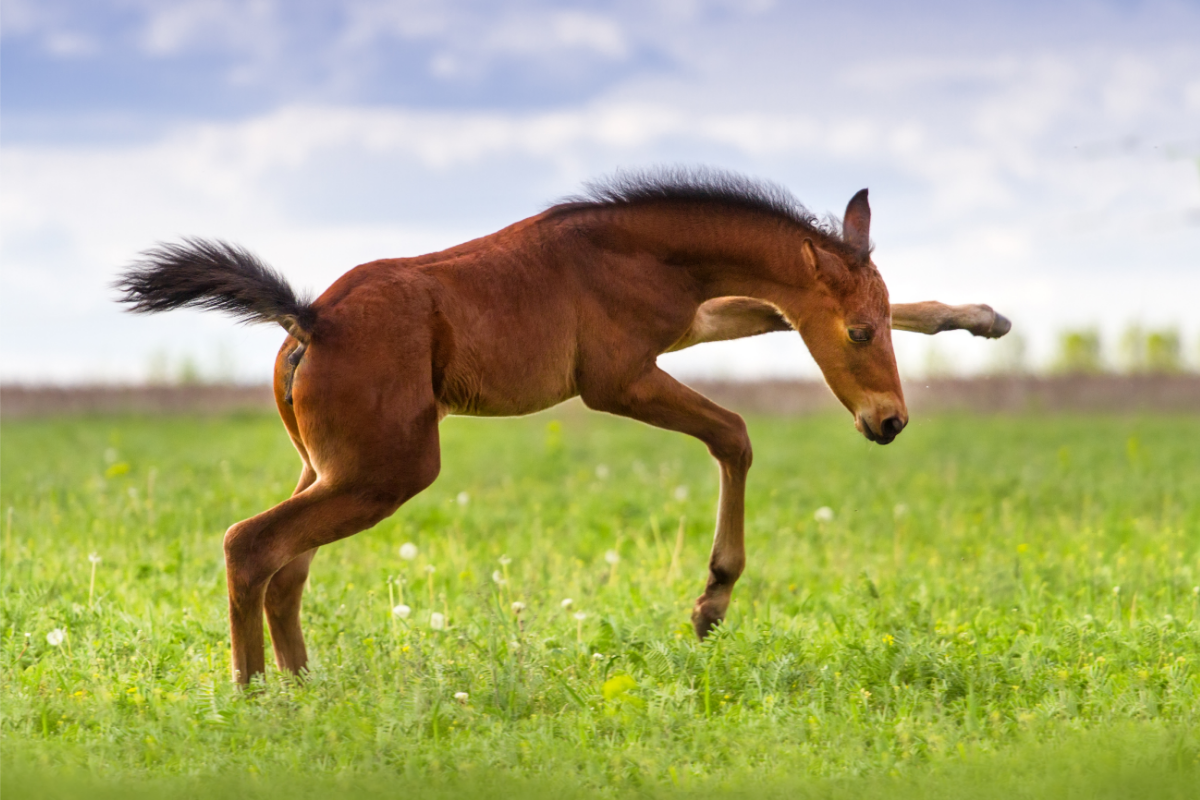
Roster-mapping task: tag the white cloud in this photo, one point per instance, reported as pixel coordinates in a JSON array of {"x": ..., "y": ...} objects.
[
  {"x": 23, "y": 17},
  {"x": 417, "y": 19},
  {"x": 1191, "y": 94},
  {"x": 170, "y": 29},
  {"x": 561, "y": 29},
  {"x": 1132, "y": 88},
  {"x": 70, "y": 44}
]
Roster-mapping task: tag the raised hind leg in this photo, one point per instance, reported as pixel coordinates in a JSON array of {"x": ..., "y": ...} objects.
[{"x": 658, "y": 399}]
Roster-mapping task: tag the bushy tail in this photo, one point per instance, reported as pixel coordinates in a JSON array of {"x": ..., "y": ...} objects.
[{"x": 199, "y": 273}]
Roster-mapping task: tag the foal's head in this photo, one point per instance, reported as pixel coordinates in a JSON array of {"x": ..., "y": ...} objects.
[{"x": 847, "y": 326}]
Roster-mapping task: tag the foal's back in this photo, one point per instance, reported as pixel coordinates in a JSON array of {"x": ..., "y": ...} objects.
[{"x": 521, "y": 317}]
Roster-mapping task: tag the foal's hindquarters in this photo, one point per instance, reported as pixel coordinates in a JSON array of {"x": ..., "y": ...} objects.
[{"x": 365, "y": 422}]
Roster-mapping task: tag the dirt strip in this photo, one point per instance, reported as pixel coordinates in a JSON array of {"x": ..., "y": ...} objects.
[
  {"x": 994, "y": 395},
  {"x": 997, "y": 395},
  {"x": 23, "y": 402}
]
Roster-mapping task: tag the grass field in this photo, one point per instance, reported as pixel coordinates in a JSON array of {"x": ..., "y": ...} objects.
[{"x": 998, "y": 607}]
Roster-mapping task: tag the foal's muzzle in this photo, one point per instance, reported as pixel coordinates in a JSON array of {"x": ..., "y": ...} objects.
[{"x": 885, "y": 431}]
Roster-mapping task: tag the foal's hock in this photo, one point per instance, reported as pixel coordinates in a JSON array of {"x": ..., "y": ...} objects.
[{"x": 579, "y": 300}]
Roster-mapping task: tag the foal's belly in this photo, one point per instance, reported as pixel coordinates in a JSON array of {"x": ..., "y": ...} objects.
[
  {"x": 500, "y": 409},
  {"x": 508, "y": 381},
  {"x": 501, "y": 405}
]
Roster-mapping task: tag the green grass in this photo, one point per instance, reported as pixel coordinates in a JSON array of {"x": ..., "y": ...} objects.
[{"x": 1003, "y": 604}]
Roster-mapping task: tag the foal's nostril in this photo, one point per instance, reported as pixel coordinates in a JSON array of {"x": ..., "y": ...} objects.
[{"x": 891, "y": 427}]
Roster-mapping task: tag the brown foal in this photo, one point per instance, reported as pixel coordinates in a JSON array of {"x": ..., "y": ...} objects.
[{"x": 577, "y": 301}]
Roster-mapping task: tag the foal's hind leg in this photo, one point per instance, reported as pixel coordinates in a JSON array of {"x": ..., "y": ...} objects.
[
  {"x": 658, "y": 399},
  {"x": 257, "y": 548},
  {"x": 286, "y": 587},
  {"x": 367, "y": 483},
  {"x": 282, "y": 604}
]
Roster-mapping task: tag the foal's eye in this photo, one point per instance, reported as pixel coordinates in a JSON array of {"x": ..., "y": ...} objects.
[{"x": 861, "y": 335}]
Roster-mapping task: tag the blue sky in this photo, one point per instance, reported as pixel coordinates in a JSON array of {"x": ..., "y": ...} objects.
[{"x": 1041, "y": 157}]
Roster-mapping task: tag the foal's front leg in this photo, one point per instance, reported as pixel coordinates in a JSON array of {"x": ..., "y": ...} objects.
[
  {"x": 728, "y": 557},
  {"x": 658, "y": 399}
]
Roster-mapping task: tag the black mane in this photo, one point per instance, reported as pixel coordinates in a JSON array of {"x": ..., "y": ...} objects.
[{"x": 706, "y": 185}]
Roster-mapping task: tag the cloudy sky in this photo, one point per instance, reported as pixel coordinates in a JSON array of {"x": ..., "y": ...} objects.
[{"x": 1042, "y": 157}]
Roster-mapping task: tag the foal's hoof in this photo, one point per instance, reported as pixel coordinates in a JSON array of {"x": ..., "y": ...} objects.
[{"x": 704, "y": 620}]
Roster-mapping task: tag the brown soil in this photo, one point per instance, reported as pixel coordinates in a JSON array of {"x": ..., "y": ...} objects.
[
  {"x": 19, "y": 402},
  {"x": 996, "y": 395}
]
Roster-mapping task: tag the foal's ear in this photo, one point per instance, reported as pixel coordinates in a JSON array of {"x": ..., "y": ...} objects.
[
  {"x": 856, "y": 225},
  {"x": 830, "y": 272},
  {"x": 809, "y": 254}
]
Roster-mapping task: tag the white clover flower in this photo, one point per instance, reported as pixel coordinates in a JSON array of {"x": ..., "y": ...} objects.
[
  {"x": 462, "y": 499},
  {"x": 1116, "y": 590},
  {"x": 823, "y": 514},
  {"x": 612, "y": 557},
  {"x": 681, "y": 493},
  {"x": 518, "y": 607},
  {"x": 602, "y": 471},
  {"x": 900, "y": 511},
  {"x": 567, "y": 603},
  {"x": 462, "y": 697},
  {"x": 498, "y": 577},
  {"x": 430, "y": 568},
  {"x": 401, "y": 611},
  {"x": 94, "y": 558},
  {"x": 505, "y": 560},
  {"x": 437, "y": 621},
  {"x": 598, "y": 656},
  {"x": 408, "y": 551},
  {"x": 56, "y": 637},
  {"x": 581, "y": 615}
]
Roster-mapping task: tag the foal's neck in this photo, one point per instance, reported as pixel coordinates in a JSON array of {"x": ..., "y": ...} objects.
[{"x": 727, "y": 251}]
